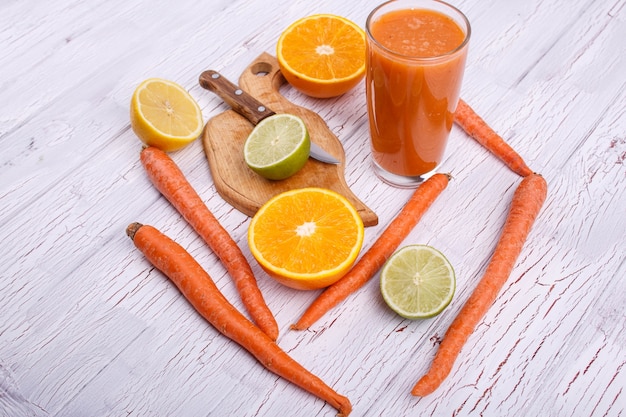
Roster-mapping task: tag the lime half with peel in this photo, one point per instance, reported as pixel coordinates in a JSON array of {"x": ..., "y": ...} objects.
[
  {"x": 278, "y": 146},
  {"x": 417, "y": 282}
]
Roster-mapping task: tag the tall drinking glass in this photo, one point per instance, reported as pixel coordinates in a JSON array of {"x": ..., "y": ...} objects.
[{"x": 416, "y": 53}]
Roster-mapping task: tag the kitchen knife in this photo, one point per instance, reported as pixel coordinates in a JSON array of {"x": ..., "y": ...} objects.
[{"x": 250, "y": 108}]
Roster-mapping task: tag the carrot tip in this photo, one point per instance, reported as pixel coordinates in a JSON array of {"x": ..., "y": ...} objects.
[
  {"x": 422, "y": 389},
  {"x": 132, "y": 229}
]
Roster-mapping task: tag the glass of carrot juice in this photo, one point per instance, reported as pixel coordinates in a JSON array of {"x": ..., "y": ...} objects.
[{"x": 416, "y": 53}]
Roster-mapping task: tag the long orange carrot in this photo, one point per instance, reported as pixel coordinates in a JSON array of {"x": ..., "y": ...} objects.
[
  {"x": 199, "y": 289},
  {"x": 478, "y": 129},
  {"x": 525, "y": 206},
  {"x": 171, "y": 182},
  {"x": 378, "y": 253}
]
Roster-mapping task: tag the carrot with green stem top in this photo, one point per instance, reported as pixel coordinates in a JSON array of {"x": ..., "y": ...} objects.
[
  {"x": 478, "y": 129},
  {"x": 199, "y": 289},
  {"x": 525, "y": 206},
  {"x": 171, "y": 182},
  {"x": 378, "y": 253}
]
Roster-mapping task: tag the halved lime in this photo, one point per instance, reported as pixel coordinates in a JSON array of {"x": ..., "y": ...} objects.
[
  {"x": 417, "y": 282},
  {"x": 278, "y": 146}
]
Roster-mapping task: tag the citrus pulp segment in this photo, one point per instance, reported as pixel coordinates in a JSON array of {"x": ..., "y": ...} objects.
[
  {"x": 163, "y": 114},
  {"x": 417, "y": 282},
  {"x": 278, "y": 146},
  {"x": 322, "y": 55},
  {"x": 306, "y": 238}
]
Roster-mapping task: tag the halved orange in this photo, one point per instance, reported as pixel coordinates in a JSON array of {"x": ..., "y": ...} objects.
[
  {"x": 322, "y": 55},
  {"x": 306, "y": 238}
]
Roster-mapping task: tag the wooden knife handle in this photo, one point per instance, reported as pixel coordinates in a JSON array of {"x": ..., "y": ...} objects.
[{"x": 240, "y": 101}]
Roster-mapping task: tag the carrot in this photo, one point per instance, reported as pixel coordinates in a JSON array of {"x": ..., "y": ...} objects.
[
  {"x": 171, "y": 182},
  {"x": 378, "y": 253},
  {"x": 199, "y": 289},
  {"x": 478, "y": 129},
  {"x": 525, "y": 206}
]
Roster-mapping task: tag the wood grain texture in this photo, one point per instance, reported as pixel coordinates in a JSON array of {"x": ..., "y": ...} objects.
[{"x": 88, "y": 328}]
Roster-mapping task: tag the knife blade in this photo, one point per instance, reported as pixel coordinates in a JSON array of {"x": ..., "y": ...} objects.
[{"x": 250, "y": 108}]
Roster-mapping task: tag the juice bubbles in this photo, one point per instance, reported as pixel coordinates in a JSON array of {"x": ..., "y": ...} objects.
[{"x": 416, "y": 52}]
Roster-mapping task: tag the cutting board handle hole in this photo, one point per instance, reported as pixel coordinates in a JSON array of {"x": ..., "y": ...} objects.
[{"x": 261, "y": 69}]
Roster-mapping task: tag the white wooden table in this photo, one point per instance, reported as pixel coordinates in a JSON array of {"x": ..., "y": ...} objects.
[{"x": 89, "y": 328}]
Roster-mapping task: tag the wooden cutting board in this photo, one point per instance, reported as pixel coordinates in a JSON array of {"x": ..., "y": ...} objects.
[{"x": 224, "y": 136}]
